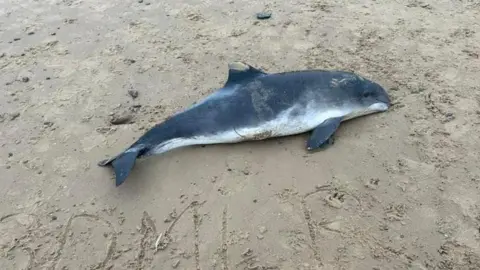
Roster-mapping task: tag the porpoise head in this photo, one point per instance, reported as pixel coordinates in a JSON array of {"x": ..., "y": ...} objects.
[
  {"x": 375, "y": 96},
  {"x": 366, "y": 97}
]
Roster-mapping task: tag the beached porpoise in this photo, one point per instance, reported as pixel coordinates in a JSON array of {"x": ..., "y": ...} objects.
[{"x": 255, "y": 105}]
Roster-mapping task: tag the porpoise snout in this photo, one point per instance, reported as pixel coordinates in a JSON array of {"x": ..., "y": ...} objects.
[
  {"x": 385, "y": 99},
  {"x": 383, "y": 96}
]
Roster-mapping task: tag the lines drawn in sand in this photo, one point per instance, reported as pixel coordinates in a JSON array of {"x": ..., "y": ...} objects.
[
  {"x": 29, "y": 222},
  {"x": 164, "y": 238},
  {"x": 147, "y": 229},
  {"x": 68, "y": 228}
]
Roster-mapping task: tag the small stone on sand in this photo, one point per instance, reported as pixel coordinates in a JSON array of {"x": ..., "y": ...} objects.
[
  {"x": 264, "y": 15},
  {"x": 133, "y": 93},
  {"x": 120, "y": 119}
]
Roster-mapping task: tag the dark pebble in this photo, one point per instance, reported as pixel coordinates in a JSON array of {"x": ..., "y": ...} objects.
[
  {"x": 140, "y": 1},
  {"x": 129, "y": 61},
  {"x": 16, "y": 39},
  {"x": 25, "y": 79},
  {"x": 70, "y": 21},
  {"x": 264, "y": 15},
  {"x": 133, "y": 93},
  {"x": 53, "y": 34},
  {"x": 47, "y": 78},
  {"x": 54, "y": 218},
  {"x": 121, "y": 119},
  {"x": 10, "y": 154},
  {"x": 31, "y": 33}
]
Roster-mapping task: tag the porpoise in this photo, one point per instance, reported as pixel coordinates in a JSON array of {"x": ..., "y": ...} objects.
[{"x": 256, "y": 105}]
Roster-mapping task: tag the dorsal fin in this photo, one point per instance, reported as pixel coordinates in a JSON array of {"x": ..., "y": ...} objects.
[{"x": 239, "y": 71}]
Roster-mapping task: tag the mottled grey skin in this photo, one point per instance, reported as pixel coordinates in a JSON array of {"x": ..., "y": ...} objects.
[
  {"x": 258, "y": 101},
  {"x": 251, "y": 97}
]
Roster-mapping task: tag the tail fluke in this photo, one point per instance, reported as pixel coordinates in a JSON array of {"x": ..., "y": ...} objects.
[
  {"x": 122, "y": 164},
  {"x": 155, "y": 137}
]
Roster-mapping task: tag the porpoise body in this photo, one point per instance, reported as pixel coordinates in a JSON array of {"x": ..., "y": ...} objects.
[{"x": 255, "y": 105}]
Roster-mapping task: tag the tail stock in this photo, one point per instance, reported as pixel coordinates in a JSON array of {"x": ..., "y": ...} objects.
[{"x": 158, "y": 135}]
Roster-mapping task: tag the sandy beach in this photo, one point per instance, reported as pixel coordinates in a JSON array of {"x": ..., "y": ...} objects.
[{"x": 81, "y": 80}]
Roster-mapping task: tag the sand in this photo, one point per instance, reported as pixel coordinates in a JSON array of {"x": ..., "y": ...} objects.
[{"x": 397, "y": 190}]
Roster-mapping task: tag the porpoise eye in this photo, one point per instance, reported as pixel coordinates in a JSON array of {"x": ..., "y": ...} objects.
[{"x": 366, "y": 94}]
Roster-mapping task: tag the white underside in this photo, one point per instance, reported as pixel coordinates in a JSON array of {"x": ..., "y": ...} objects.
[{"x": 284, "y": 125}]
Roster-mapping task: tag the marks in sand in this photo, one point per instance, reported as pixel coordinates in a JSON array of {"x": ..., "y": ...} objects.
[
  {"x": 73, "y": 233},
  {"x": 15, "y": 235},
  {"x": 164, "y": 238},
  {"x": 35, "y": 244},
  {"x": 321, "y": 221},
  {"x": 196, "y": 224},
  {"x": 318, "y": 221},
  {"x": 148, "y": 230},
  {"x": 310, "y": 225},
  {"x": 224, "y": 247}
]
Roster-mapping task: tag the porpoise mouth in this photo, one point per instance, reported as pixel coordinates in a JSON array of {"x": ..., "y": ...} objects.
[
  {"x": 384, "y": 99},
  {"x": 378, "y": 107},
  {"x": 373, "y": 108}
]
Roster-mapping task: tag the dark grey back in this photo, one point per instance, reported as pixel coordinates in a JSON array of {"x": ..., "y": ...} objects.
[{"x": 252, "y": 102}]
